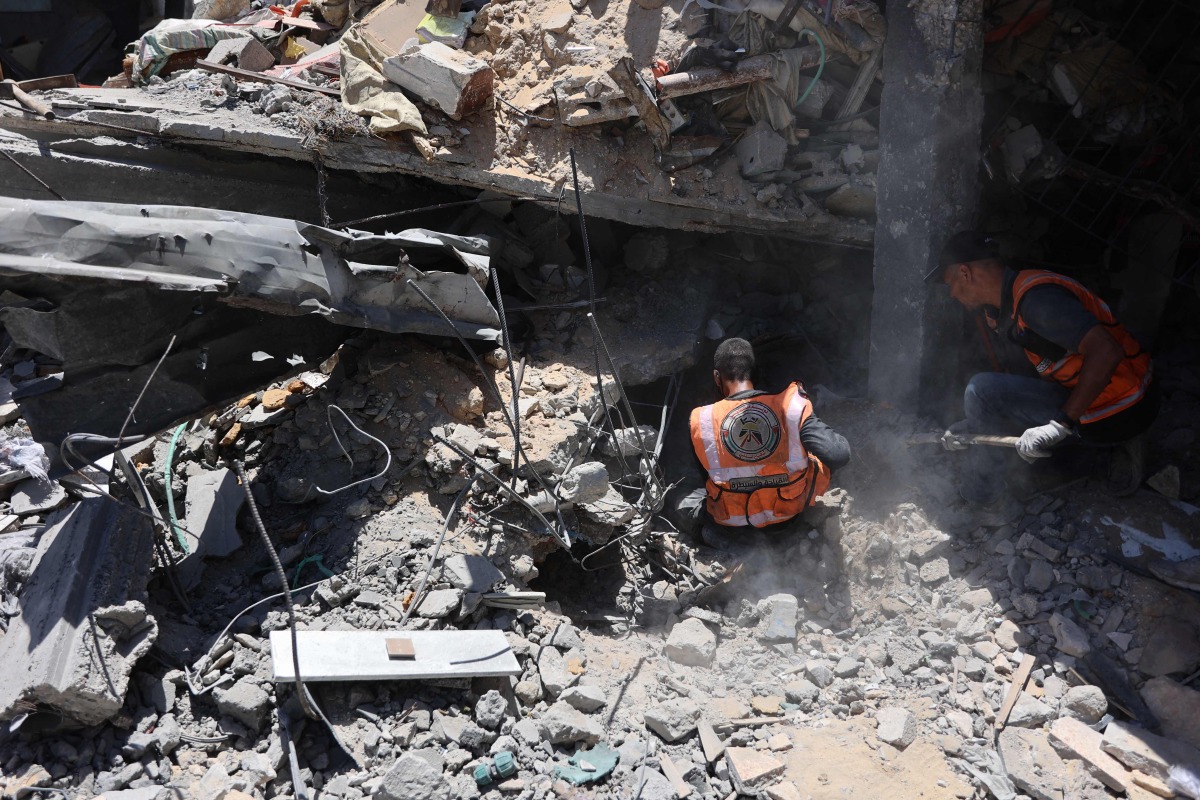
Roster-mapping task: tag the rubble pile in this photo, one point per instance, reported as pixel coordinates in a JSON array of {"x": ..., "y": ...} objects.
[
  {"x": 1005, "y": 662},
  {"x": 727, "y": 106}
]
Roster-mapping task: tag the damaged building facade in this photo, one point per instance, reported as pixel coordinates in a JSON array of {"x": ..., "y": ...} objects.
[{"x": 346, "y": 355}]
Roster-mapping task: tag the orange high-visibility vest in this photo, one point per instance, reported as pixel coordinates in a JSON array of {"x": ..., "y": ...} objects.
[
  {"x": 758, "y": 471},
  {"x": 1132, "y": 376}
]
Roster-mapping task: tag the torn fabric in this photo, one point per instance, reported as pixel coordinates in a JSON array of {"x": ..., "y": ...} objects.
[
  {"x": 151, "y": 51},
  {"x": 367, "y": 93}
]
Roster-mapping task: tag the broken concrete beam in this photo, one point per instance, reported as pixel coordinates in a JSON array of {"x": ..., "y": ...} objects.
[
  {"x": 83, "y": 622},
  {"x": 760, "y": 150},
  {"x": 451, "y": 80},
  {"x": 707, "y": 79},
  {"x": 245, "y": 53},
  {"x": 213, "y": 501},
  {"x": 363, "y": 655},
  {"x": 1076, "y": 740}
]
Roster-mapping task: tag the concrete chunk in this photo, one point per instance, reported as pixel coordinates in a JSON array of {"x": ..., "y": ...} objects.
[
  {"x": 1176, "y": 707},
  {"x": 451, "y": 80},
  {"x": 1031, "y": 763},
  {"x": 1069, "y": 637},
  {"x": 780, "y": 625},
  {"x": 897, "y": 726},
  {"x": 692, "y": 644},
  {"x": 750, "y": 769},
  {"x": 213, "y": 501},
  {"x": 471, "y": 573},
  {"x": 36, "y": 497},
  {"x": 760, "y": 150},
  {"x": 1072, "y": 737},
  {"x": 244, "y": 53},
  {"x": 674, "y": 719},
  {"x": 83, "y": 623},
  {"x": 1143, "y": 751}
]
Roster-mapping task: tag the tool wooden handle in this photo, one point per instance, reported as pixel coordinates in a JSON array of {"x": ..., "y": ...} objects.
[
  {"x": 37, "y": 106},
  {"x": 966, "y": 438}
]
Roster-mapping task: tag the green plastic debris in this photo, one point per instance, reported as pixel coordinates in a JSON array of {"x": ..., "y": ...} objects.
[
  {"x": 501, "y": 767},
  {"x": 588, "y": 766}
]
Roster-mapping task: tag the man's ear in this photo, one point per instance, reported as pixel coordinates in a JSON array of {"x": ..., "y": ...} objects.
[{"x": 717, "y": 378}]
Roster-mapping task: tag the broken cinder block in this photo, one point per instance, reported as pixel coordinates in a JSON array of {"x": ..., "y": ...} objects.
[
  {"x": 451, "y": 80},
  {"x": 761, "y": 150},
  {"x": 245, "y": 53}
]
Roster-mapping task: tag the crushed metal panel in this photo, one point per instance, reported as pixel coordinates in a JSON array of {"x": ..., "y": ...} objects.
[
  {"x": 275, "y": 264},
  {"x": 249, "y": 299},
  {"x": 363, "y": 655}
]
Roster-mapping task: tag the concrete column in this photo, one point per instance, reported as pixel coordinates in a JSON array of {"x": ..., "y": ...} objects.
[{"x": 930, "y": 120}]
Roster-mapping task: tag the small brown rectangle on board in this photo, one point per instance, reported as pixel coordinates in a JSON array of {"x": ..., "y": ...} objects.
[{"x": 400, "y": 648}]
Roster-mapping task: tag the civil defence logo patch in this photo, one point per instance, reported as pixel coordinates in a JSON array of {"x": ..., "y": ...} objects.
[{"x": 750, "y": 432}]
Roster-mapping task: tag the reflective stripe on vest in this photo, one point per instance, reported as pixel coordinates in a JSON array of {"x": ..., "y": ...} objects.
[
  {"x": 797, "y": 459},
  {"x": 1133, "y": 374},
  {"x": 759, "y": 472}
]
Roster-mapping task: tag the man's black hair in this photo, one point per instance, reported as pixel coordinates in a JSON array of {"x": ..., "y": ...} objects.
[
  {"x": 734, "y": 359},
  {"x": 964, "y": 247}
]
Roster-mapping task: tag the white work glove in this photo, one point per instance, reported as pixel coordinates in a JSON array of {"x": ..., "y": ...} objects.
[
  {"x": 950, "y": 439},
  {"x": 1036, "y": 441}
]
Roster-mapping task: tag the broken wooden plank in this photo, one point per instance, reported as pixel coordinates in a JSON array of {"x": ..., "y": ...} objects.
[
  {"x": 626, "y": 77},
  {"x": 682, "y": 787},
  {"x": 363, "y": 655},
  {"x": 260, "y": 77},
  {"x": 861, "y": 86},
  {"x": 707, "y": 79},
  {"x": 710, "y": 742},
  {"x": 1014, "y": 690}
]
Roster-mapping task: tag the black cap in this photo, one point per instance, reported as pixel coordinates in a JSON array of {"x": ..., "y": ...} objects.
[{"x": 962, "y": 248}]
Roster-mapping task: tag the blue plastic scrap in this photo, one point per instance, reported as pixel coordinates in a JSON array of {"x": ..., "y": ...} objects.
[{"x": 588, "y": 766}]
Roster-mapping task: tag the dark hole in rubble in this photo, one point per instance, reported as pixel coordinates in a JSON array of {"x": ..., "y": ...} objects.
[{"x": 588, "y": 590}]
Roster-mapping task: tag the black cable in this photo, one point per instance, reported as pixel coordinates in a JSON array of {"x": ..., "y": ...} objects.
[
  {"x": 512, "y": 370},
  {"x": 29, "y": 172},
  {"x": 305, "y": 701}
]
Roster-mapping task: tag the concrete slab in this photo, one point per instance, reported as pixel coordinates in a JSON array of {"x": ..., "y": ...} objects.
[
  {"x": 36, "y": 497},
  {"x": 213, "y": 501},
  {"x": 83, "y": 622},
  {"x": 363, "y": 655}
]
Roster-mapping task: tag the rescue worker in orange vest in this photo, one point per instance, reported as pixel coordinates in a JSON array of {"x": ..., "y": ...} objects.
[
  {"x": 767, "y": 455},
  {"x": 1095, "y": 381}
]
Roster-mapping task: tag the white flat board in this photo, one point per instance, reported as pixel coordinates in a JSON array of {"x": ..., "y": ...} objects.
[{"x": 362, "y": 655}]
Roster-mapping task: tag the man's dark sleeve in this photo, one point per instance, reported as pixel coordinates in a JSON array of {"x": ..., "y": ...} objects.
[
  {"x": 1054, "y": 313},
  {"x": 825, "y": 443}
]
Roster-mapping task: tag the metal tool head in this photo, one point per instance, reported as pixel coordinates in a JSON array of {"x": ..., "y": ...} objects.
[{"x": 37, "y": 85}]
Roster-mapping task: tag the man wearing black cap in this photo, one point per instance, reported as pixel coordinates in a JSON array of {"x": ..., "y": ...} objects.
[{"x": 1095, "y": 381}]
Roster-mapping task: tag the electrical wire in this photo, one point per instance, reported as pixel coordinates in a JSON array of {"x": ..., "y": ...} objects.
[
  {"x": 386, "y": 450},
  {"x": 306, "y": 702},
  {"x": 137, "y": 400},
  {"x": 183, "y": 545},
  {"x": 820, "y": 66},
  {"x": 591, "y": 276}
]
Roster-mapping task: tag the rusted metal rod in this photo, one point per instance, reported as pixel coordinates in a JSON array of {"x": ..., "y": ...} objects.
[{"x": 706, "y": 79}]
